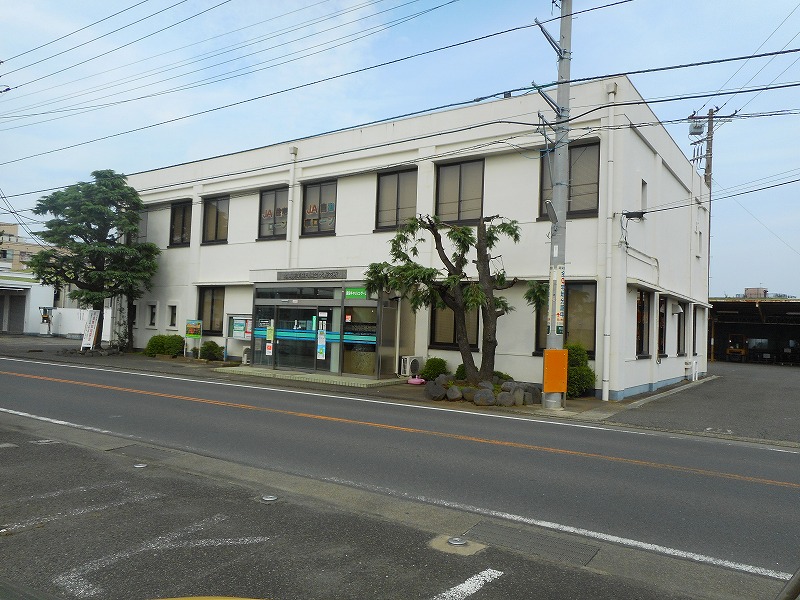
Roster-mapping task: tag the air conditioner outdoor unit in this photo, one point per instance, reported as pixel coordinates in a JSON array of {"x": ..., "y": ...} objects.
[{"x": 410, "y": 365}]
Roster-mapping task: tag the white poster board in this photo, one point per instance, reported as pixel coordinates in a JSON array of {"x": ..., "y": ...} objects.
[{"x": 90, "y": 329}]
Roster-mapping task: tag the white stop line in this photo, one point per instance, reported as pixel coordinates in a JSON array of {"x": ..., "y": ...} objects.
[{"x": 470, "y": 586}]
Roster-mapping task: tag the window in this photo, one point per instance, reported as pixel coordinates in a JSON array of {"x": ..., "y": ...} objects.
[
  {"x": 319, "y": 208},
  {"x": 580, "y": 318},
  {"x": 584, "y": 180},
  {"x": 141, "y": 236},
  {"x": 173, "y": 315},
  {"x": 211, "y": 308},
  {"x": 682, "y": 330},
  {"x": 443, "y": 329},
  {"x": 643, "y": 198},
  {"x": 180, "y": 227},
  {"x": 642, "y": 324},
  {"x": 133, "y": 314},
  {"x": 273, "y": 212},
  {"x": 662, "y": 325},
  {"x": 152, "y": 312},
  {"x": 397, "y": 198},
  {"x": 459, "y": 192},
  {"x": 215, "y": 220},
  {"x": 695, "y": 316}
]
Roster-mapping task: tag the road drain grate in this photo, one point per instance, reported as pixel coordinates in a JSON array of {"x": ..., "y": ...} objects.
[{"x": 547, "y": 546}]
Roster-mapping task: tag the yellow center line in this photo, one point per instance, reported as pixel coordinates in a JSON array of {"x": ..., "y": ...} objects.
[{"x": 442, "y": 434}]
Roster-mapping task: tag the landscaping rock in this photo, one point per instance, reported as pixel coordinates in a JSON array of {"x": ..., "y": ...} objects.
[
  {"x": 484, "y": 397},
  {"x": 435, "y": 391},
  {"x": 509, "y": 386},
  {"x": 519, "y": 396},
  {"x": 486, "y": 385},
  {"x": 454, "y": 393},
  {"x": 468, "y": 393},
  {"x": 443, "y": 379},
  {"x": 505, "y": 399},
  {"x": 533, "y": 396}
]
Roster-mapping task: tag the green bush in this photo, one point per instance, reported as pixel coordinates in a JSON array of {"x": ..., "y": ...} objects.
[
  {"x": 211, "y": 351},
  {"x": 461, "y": 373},
  {"x": 156, "y": 345},
  {"x": 580, "y": 376},
  {"x": 503, "y": 376},
  {"x": 173, "y": 344},
  {"x": 579, "y": 381},
  {"x": 576, "y": 355},
  {"x": 164, "y": 344},
  {"x": 433, "y": 368}
]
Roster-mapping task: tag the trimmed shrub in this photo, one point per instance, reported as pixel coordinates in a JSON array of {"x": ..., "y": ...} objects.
[
  {"x": 580, "y": 376},
  {"x": 156, "y": 345},
  {"x": 433, "y": 368},
  {"x": 173, "y": 344},
  {"x": 211, "y": 351},
  {"x": 503, "y": 376},
  {"x": 461, "y": 373}
]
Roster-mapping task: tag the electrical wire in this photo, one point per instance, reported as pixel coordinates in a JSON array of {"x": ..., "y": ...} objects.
[{"x": 58, "y": 39}]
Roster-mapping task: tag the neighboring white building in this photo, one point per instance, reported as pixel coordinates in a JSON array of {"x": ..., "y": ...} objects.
[
  {"x": 22, "y": 303},
  {"x": 283, "y": 234}
]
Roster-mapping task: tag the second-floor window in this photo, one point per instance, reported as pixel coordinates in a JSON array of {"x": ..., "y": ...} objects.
[
  {"x": 274, "y": 210},
  {"x": 319, "y": 208},
  {"x": 584, "y": 180},
  {"x": 459, "y": 192},
  {"x": 215, "y": 219},
  {"x": 397, "y": 198},
  {"x": 180, "y": 227}
]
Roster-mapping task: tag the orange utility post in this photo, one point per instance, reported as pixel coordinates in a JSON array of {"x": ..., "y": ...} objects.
[{"x": 555, "y": 372}]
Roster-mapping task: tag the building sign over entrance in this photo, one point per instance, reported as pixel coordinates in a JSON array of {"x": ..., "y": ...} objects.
[
  {"x": 312, "y": 275},
  {"x": 359, "y": 293}
]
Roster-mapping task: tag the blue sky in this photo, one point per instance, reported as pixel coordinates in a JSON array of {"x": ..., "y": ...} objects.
[{"x": 754, "y": 241}]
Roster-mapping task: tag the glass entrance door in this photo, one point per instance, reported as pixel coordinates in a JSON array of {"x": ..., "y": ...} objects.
[
  {"x": 305, "y": 338},
  {"x": 296, "y": 338}
]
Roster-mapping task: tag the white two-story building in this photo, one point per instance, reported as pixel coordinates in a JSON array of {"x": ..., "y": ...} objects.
[{"x": 268, "y": 247}]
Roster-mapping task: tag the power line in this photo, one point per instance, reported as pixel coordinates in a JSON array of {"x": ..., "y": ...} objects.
[
  {"x": 191, "y": 60},
  {"x": 58, "y": 39},
  {"x": 123, "y": 45},
  {"x": 41, "y": 60},
  {"x": 349, "y": 38}
]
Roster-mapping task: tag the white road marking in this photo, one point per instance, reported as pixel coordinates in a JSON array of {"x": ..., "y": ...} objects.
[
  {"x": 57, "y": 421},
  {"x": 470, "y": 586},
  {"x": 8, "y": 445},
  {"x": 76, "y": 490},
  {"x": 597, "y": 535},
  {"x": 483, "y": 415},
  {"x": 75, "y": 583},
  {"x": 77, "y": 512}
]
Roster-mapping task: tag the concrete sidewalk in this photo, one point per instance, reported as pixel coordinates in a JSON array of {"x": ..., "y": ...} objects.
[{"x": 758, "y": 403}]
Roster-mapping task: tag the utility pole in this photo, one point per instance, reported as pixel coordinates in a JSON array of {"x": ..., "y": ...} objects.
[{"x": 557, "y": 208}]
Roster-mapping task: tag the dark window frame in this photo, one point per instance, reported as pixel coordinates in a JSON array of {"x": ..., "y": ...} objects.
[
  {"x": 262, "y": 220},
  {"x": 184, "y": 209},
  {"x": 306, "y": 229},
  {"x": 153, "y": 315},
  {"x": 453, "y": 345},
  {"x": 219, "y": 236},
  {"x": 173, "y": 316},
  {"x": 541, "y": 328},
  {"x": 544, "y": 168},
  {"x": 643, "y": 316},
  {"x": 681, "y": 335},
  {"x": 663, "y": 307},
  {"x": 459, "y": 220},
  {"x": 202, "y": 299},
  {"x": 398, "y": 219}
]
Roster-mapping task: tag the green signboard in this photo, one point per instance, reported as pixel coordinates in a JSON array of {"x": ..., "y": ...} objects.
[
  {"x": 358, "y": 293},
  {"x": 194, "y": 329}
]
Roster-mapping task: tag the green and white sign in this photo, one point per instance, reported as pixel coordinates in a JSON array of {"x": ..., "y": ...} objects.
[{"x": 358, "y": 293}]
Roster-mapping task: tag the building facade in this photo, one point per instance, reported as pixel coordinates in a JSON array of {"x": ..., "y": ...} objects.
[{"x": 268, "y": 247}]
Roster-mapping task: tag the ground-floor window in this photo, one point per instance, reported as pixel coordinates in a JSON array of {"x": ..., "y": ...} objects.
[
  {"x": 443, "y": 328},
  {"x": 211, "y": 309},
  {"x": 662, "y": 325},
  {"x": 642, "y": 323},
  {"x": 682, "y": 329},
  {"x": 580, "y": 318}
]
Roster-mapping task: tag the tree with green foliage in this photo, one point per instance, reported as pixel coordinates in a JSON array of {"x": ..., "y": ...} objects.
[
  {"x": 452, "y": 287},
  {"x": 93, "y": 231}
]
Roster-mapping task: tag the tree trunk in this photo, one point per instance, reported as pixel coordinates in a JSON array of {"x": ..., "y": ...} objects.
[
  {"x": 97, "y": 342},
  {"x": 129, "y": 310}
]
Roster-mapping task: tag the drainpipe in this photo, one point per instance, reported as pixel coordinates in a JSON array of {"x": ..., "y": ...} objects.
[
  {"x": 611, "y": 89},
  {"x": 290, "y": 209}
]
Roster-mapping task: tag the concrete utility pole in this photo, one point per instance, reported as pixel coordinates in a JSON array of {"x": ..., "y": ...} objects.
[{"x": 557, "y": 209}]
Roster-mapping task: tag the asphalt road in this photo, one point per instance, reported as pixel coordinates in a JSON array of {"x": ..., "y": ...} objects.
[{"x": 724, "y": 502}]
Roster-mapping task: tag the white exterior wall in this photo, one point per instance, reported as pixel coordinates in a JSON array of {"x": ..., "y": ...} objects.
[{"x": 659, "y": 253}]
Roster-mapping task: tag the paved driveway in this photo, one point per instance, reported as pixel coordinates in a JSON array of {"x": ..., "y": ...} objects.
[{"x": 743, "y": 400}]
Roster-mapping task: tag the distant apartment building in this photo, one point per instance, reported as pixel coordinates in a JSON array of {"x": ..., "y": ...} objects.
[{"x": 268, "y": 247}]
